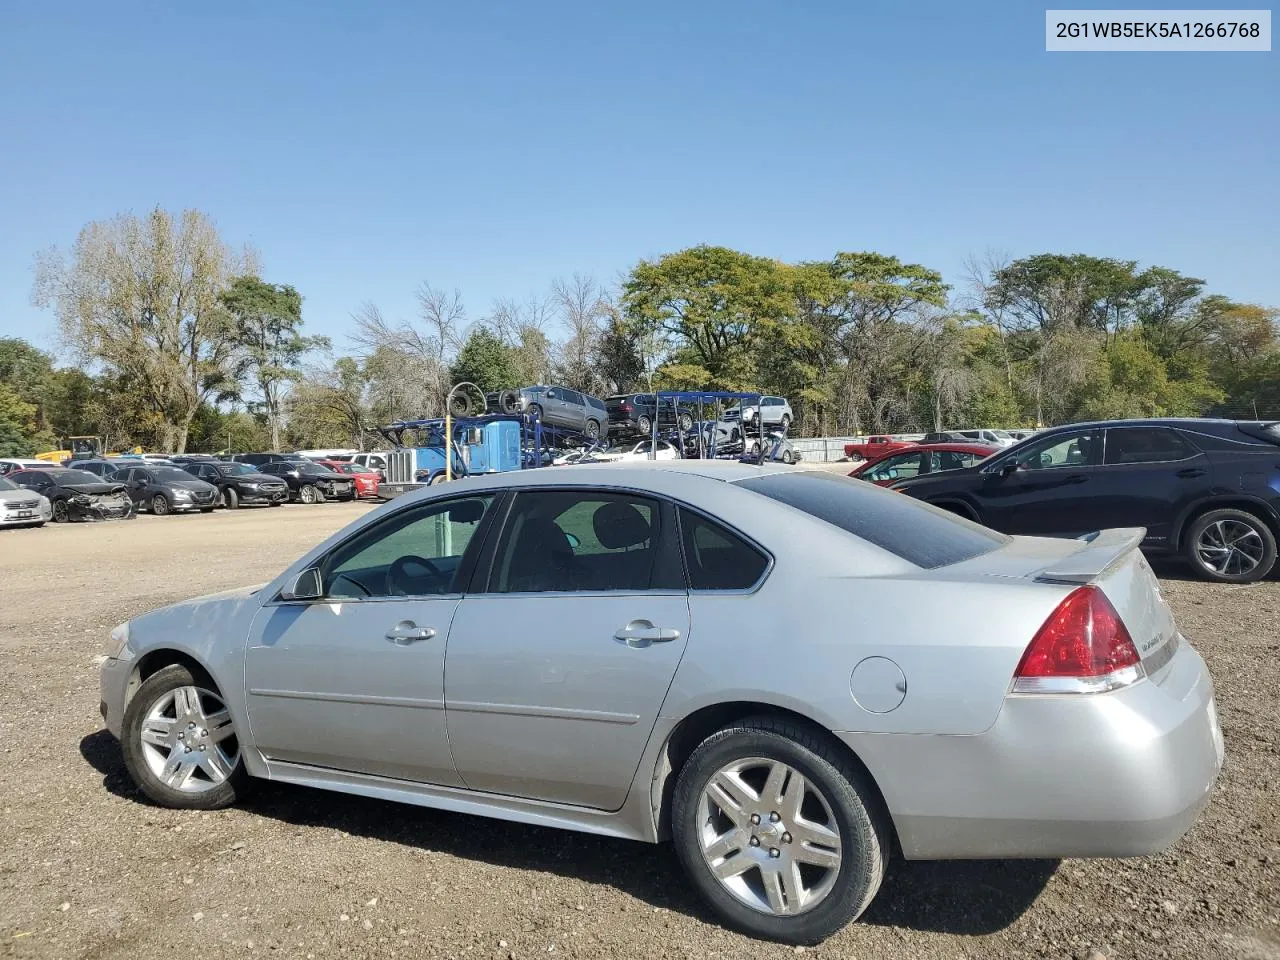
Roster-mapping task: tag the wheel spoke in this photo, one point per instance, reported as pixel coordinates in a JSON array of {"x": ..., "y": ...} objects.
[
  {"x": 215, "y": 765},
  {"x": 219, "y": 725},
  {"x": 722, "y": 846},
  {"x": 793, "y": 799},
  {"x": 730, "y": 795},
  {"x": 771, "y": 795},
  {"x": 186, "y": 702},
  {"x": 817, "y": 856},
  {"x": 157, "y": 731},
  {"x": 733, "y": 866},
  {"x": 773, "y": 890},
  {"x": 172, "y": 772}
]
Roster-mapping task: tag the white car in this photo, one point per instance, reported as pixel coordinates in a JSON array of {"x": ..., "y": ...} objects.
[
  {"x": 20, "y": 507},
  {"x": 636, "y": 451},
  {"x": 777, "y": 410},
  {"x": 376, "y": 461},
  {"x": 13, "y": 464},
  {"x": 997, "y": 438}
]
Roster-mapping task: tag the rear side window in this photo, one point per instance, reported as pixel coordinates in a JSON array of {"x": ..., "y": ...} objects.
[
  {"x": 1145, "y": 445},
  {"x": 907, "y": 528},
  {"x": 595, "y": 402},
  {"x": 1270, "y": 432},
  {"x": 717, "y": 558}
]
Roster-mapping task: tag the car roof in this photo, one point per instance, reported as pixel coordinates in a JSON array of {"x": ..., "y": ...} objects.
[{"x": 1151, "y": 422}]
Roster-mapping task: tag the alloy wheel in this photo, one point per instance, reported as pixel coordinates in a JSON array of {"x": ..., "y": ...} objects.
[
  {"x": 60, "y": 512},
  {"x": 159, "y": 505},
  {"x": 1230, "y": 547},
  {"x": 769, "y": 836},
  {"x": 188, "y": 740}
]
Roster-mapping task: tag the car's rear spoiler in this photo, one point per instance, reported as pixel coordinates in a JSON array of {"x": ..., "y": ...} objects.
[{"x": 1101, "y": 550}]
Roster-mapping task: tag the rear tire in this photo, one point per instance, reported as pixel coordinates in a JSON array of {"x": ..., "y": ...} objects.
[
  {"x": 834, "y": 797},
  {"x": 593, "y": 429},
  {"x": 534, "y": 410},
  {"x": 644, "y": 425},
  {"x": 685, "y": 422},
  {"x": 1230, "y": 546}
]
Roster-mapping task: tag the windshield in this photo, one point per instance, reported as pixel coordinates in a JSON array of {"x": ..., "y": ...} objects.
[
  {"x": 76, "y": 476},
  {"x": 170, "y": 473},
  {"x": 1002, "y": 434},
  {"x": 312, "y": 469},
  {"x": 235, "y": 469},
  {"x": 8, "y": 484}
]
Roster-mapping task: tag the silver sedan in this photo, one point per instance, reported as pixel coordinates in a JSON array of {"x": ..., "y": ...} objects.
[{"x": 666, "y": 651}]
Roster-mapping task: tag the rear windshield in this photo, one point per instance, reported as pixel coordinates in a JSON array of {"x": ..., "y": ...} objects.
[{"x": 907, "y": 528}]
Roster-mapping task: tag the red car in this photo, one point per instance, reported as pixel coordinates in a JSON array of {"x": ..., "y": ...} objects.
[
  {"x": 366, "y": 480},
  {"x": 921, "y": 458},
  {"x": 873, "y": 448}
]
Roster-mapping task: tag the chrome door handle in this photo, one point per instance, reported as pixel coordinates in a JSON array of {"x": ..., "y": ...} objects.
[
  {"x": 1190, "y": 473},
  {"x": 406, "y": 632},
  {"x": 642, "y": 633}
]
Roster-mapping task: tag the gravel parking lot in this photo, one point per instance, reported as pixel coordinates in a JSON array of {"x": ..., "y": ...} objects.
[{"x": 88, "y": 869}]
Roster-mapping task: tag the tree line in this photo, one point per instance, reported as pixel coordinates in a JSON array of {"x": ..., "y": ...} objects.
[{"x": 177, "y": 342}]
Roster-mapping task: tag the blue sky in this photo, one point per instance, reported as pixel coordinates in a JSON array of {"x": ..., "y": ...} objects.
[{"x": 495, "y": 146}]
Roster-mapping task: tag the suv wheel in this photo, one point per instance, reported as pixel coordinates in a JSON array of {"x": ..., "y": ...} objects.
[
  {"x": 778, "y": 831},
  {"x": 644, "y": 424},
  {"x": 179, "y": 743},
  {"x": 786, "y": 421},
  {"x": 685, "y": 422},
  {"x": 593, "y": 429},
  {"x": 1230, "y": 546}
]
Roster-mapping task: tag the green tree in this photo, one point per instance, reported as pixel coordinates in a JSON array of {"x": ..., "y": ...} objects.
[
  {"x": 267, "y": 318},
  {"x": 485, "y": 361},
  {"x": 618, "y": 358},
  {"x": 713, "y": 304},
  {"x": 1050, "y": 290},
  {"x": 140, "y": 296},
  {"x": 17, "y": 424}
]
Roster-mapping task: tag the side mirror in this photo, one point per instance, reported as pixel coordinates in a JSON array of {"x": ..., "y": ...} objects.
[
  {"x": 1009, "y": 468},
  {"x": 305, "y": 586}
]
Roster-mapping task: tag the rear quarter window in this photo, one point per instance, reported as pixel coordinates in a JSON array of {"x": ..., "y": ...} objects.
[{"x": 916, "y": 532}]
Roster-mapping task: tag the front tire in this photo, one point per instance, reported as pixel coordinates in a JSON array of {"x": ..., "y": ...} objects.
[
  {"x": 160, "y": 505},
  {"x": 307, "y": 494},
  {"x": 230, "y": 499},
  {"x": 61, "y": 512},
  {"x": 685, "y": 422},
  {"x": 179, "y": 743},
  {"x": 593, "y": 429},
  {"x": 779, "y": 832},
  {"x": 1230, "y": 546},
  {"x": 534, "y": 410}
]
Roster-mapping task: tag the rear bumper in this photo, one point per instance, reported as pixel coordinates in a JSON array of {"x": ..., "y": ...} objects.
[{"x": 1109, "y": 775}]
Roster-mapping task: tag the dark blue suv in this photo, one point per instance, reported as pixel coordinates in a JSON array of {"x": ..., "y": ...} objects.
[{"x": 1208, "y": 490}]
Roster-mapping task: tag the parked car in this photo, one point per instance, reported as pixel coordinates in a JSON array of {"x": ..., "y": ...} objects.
[
  {"x": 1208, "y": 490},
  {"x": 375, "y": 461},
  {"x": 13, "y": 464},
  {"x": 309, "y": 482},
  {"x": 784, "y": 787},
  {"x": 76, "y": 494},
  {"x": 365, "y": 478},
  {"x": 165, "y": 489},
  {"x": 631, "y": 413},
  {"x": 777, "y": 448},
  {"x": 776, "y": 411},
  {"x": 240, "y": 484},
  {"x": 99, "y": 468},
  {"x": 997, "y": 438},
  {"x": 22, "y": 507},
  {"x": 565, "y": 408},
  {"x": 946, "y": 436},
  {"x": 637, "y": 450},
  {"x": 183, "y": 459},
  {"x": 873, "y": 448},
  {"x": 258, "y": 459},
  {"x": 922, "y": 459}
]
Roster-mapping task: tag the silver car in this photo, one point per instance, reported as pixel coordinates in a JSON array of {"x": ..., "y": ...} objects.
[
  {"x": 20, "y": 507},
  {"x": 664, "y": 651}
]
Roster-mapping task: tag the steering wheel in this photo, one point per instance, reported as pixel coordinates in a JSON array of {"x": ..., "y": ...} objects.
[{"x": 406, "y": 572}]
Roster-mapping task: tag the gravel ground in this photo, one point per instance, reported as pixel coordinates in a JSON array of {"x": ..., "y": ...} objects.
[{"x": 87, "y": 869}]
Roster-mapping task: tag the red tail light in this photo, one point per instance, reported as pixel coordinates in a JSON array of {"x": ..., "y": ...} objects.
[{"x": 1083, "y": 647}]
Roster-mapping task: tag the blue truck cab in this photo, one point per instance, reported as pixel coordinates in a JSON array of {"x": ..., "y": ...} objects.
[{"x": 480, "y": 445}]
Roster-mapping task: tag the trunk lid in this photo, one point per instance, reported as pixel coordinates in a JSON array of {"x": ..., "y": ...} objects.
[{"x": 1110, "y": 560}]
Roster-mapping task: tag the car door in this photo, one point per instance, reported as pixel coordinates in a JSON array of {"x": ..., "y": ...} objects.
[
  {"x": 1148, "y": 475},
  {"x": 355, "y": 680},
  {"x": 556, "y": 672},
  {"x": 135, "y": 483},
  {"x": 1046, "y": 488}
]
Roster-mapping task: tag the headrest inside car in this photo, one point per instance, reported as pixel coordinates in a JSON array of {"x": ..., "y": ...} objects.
[{"x": 620, "y": 525}]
